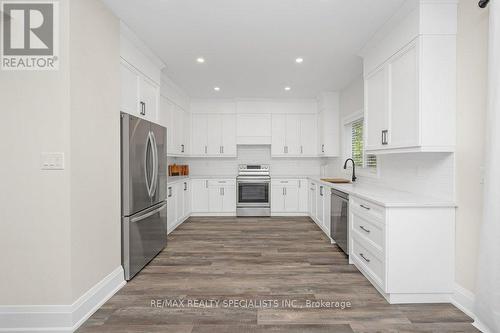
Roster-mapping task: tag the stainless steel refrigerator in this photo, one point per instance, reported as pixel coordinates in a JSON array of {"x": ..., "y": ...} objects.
[{"x": 144, "y": 205}]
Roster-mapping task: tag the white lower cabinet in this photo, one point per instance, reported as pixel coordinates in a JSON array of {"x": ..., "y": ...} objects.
[
  {"x": 303, "y": 195},
  {"x": 171, "y": 207},
  {"x": 187, "y": 208},
  {"x": 200, "y": 195},
  {"x": 285, "y": 196},
  {"x": 319, "y": 197},
  {"x": 178, "y": 203},
  {"x": 407, "y": 253},
  {"x": 222, "y": 196},
  {"x": 312, "y": 200},
  {"x": 320, "y": 204},
  {"x": 213, "y": 196}
]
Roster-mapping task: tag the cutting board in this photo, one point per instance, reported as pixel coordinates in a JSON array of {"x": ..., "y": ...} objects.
[{"x": 336, "y": 180}]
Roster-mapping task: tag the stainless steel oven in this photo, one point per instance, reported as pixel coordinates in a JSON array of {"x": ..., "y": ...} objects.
[{"x": 253, "y": 191}]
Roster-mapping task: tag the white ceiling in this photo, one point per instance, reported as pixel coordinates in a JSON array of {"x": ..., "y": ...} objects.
[{"x": 250, "y": 46}]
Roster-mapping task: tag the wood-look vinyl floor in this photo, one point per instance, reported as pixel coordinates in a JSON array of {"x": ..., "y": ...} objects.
[{"x": 259, "y": 260}]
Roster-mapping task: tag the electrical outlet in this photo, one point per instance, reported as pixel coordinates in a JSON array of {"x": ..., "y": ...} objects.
[{"x": 52, "y": 161}]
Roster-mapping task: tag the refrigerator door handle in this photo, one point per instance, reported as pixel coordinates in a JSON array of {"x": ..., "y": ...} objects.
[
  {"x": 154, "y": 183},
  {"x": 148, "y": 214},
  {"x": 147, "y": 153}
]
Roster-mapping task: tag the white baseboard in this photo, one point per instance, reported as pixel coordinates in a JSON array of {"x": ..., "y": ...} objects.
[
  {"x": 213, "y": 214},
  {"x": 178, "y": 224},
  {"x": 464, "y": 300},
  {"x": 289, "y": 214},
  {"x": 61, "y": 318},
  {"x": 482, "y": 327}
]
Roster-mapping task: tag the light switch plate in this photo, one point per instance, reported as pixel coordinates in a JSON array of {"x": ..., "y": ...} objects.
[{"x": 52, "y": 161}]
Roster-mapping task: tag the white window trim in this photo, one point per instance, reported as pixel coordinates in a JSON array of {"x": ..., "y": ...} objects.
[{"x": 347, "y": 145}]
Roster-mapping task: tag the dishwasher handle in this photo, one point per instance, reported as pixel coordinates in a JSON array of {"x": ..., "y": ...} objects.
[{"x": 340, "y": 194}]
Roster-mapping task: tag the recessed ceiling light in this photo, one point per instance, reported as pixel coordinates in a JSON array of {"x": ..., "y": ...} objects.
[
  {"x": 200, "y": 60},
  {"x": 217, "y": 88},
  {"x": 299, "y": 60},
  {"x": 288, "y": 88}
]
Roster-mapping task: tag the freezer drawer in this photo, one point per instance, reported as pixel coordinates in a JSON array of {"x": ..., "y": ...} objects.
[{"x": 144, "y": 236}]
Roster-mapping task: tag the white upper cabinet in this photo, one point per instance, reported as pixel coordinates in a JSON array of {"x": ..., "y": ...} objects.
[
  {"x": 199, "y": 139},
  {"x": 149, "y": 97},
  {"x": 328, "y": 134},
  {"x": 405, "y": 127},
  {"x": 140, "y": 77},
  {"x": 294, "y": 135},
  {"x": 129, "y": 89},
  {"x": 278, "y": 141},
  {"x": 214, "y": 135},
  {"x": 308, "y": 138},
  {"x": 410, "y": 82},
  {"x": 178, "y": 124},
  {"x": 293, "y": 140},
  {"x": 139, "y": 94},
  {"x": 253, "y": 128},
  {"x": 376, "y": 100},
  {"x": 228, "y": 135}
]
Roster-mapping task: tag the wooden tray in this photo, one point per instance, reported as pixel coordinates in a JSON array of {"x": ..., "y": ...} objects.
[{"x": 336, "y": 180}]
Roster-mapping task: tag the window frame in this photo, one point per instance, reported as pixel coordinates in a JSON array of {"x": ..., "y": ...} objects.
[{"x": 347, "y": 122}]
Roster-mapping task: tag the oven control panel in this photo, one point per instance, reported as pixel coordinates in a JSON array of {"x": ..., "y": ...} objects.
[{"x": 253, "y": 169}]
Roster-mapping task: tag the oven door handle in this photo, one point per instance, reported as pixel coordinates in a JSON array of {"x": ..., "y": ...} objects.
[{"x": 249, "y": 181}]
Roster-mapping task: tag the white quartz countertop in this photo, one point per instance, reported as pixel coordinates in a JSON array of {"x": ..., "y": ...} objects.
[
  {"x": 176, "y": 179},
  {"x": 379, "y": 195},
  {"x": 214, "y": 177},
  {"x": 385, "y": 196}
]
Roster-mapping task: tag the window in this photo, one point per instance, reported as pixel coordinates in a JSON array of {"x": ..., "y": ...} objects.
[{"x": 355, "y": 146}]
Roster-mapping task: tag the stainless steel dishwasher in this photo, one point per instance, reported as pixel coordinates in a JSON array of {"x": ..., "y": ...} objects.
[{"x": 339, "y": 219}]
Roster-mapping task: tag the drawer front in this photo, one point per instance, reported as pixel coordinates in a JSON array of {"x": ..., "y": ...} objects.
[
  {"x": 367, "y": 209},
  {"x": 285, "y": 182},
  {"x": 370, "y": 230},
  {"x": 221, "y": 182},
  {"x": 369, "y": 262}
]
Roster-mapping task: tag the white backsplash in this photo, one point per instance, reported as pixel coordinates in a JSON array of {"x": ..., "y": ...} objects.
[
  {"x": 252, "y": 155},
  {"x": 429, "y": 174}
]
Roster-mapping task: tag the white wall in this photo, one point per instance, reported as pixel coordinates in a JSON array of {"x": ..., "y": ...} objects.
[
  {"x": 55, "y": 224},
  {"x": 35, "y": 204},
  {"x": 173, "y": 92},
  {"x": 472, "y": 58},
  {"x": 95, "y": 144},
  {"x": 351, "y": 98}
]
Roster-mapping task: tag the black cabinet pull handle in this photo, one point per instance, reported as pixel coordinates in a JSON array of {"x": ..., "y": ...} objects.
[
  {"x": 384, "y": 137},
  {"x": 364, "y": 229},
  {"x": 366, "y": 259},
  {"x": 143, "y": 108}
]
